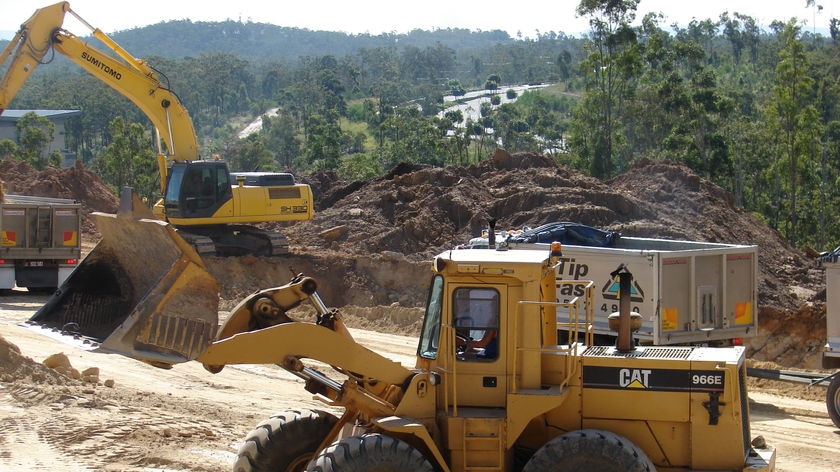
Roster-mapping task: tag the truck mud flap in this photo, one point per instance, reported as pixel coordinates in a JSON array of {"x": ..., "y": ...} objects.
[{"x": 142, "y": 292}]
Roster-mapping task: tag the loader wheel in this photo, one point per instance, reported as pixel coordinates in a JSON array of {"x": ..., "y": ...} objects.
[
  {"x": 832, "y": 399},
  {"x": 285, "y": 442},
  {"x": 369, "y": 453},
  {"x": 589, "y": 449}
]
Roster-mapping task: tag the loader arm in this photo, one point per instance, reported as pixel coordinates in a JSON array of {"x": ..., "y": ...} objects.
[
  {"x": 131, "y": 77},
  {"x": 259, "y": 331}
]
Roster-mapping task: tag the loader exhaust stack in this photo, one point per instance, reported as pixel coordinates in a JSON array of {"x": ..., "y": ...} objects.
[{"x": 142, "y": 292}]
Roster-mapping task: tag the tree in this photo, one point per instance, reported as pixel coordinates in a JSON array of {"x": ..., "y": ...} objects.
[
  {"x": 8, "y": 148},
  {"x": 129, "y": 160},
  {"x": 250, "y": 154},
  {"x": 279, "y": 135},
  {"x": 792, "y": 114},
  {"x": 610, "y": 68},
  {"x": 322, "y": 149},
  {"x": 35, "y": 133}
]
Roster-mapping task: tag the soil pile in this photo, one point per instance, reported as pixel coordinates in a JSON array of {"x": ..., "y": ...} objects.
[
  {"x": 15, "y": 367},
  {"x": 370, "y": 241},
  {"x": 74, "y": 183},
  {"x": 419, "y": 211}
]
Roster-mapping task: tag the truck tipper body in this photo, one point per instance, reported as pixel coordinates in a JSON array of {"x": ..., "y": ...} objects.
[
  {"x": 40, "y": 241},
  {"x": 831, "y": 353},
  {"x": 687, "y": 292}
]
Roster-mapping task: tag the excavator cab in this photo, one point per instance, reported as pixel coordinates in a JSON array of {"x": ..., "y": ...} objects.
[{"x": 197, "y": 189}]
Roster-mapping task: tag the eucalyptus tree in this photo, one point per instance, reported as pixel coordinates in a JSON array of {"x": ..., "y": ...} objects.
[
  {"x": 8, "y": 149},
  {"x": 610, "y": 68},
  {"x": 412, "y": 137},
  {"x": 129, "y": 160},
  {"x": 35, "y": 133},
  {"x": 792, "y": 114},
  {"x": 828, "y": 190},
  {"x": 279, "y": 134},
  {"x": 250, "y": 154}
]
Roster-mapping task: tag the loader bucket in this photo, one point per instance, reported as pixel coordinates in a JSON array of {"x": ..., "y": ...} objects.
[{"x": 142, "y": 292}]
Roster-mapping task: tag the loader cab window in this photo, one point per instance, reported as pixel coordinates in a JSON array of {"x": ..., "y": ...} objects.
[
  {"x": 430, "y": 334},
  {"x": 475, "y": 317}
]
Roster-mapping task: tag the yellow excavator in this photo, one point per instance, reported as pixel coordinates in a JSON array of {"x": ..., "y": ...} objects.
[
  {"x": 213, "y": 208},
  {"x": 495, "y": 385}
]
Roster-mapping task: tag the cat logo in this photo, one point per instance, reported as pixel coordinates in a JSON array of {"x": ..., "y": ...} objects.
[
  {"x": 658, "y": 380},
  {"x": 634, "y": 378}
]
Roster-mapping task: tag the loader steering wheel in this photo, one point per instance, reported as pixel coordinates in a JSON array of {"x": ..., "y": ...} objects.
[{"x": 461, "y": 343}]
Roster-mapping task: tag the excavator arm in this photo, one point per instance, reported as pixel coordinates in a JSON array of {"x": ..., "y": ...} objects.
[{"x": 133, "y": 78}]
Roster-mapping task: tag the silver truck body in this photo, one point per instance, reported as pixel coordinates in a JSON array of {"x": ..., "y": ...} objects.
[
  {"x": 831, "y": 353},
  {"x": 40, "y": 241}
]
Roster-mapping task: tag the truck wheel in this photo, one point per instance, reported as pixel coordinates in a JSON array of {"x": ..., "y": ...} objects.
[
  {"x": 285, "y": 442},
  {"x": 832, "y": 399},
  {"x": 369, "y": 453},
  {"x": 589, "y": 449}
]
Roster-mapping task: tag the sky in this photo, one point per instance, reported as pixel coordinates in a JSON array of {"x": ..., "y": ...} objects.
[{"x": 378, "y": 16}]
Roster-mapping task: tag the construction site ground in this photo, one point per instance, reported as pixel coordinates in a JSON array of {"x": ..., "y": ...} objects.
[{"x": 368, "y": 248}]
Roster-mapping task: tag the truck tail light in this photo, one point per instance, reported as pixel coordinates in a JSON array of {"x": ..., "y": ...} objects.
[{"x": 70, "y": 261}]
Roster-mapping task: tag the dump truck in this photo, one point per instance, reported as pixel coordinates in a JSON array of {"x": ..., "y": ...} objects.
[
  {"x": 830, "y": 262},
  {"x": 831, "y": 351},
  {"x": 529, "y": 399},
  {"x": 40, "y": 241},
  {"x": 687, "y": 292}
]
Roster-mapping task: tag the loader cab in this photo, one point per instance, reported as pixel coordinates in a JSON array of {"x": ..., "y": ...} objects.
[
  {"x": 476, "y": 334},
  {"x": 197, "y": 189}
]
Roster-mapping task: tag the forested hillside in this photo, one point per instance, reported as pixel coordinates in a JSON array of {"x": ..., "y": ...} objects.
[{"x": 752, "y": 109}]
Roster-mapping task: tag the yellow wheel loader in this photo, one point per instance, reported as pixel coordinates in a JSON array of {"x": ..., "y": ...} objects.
[
  {"x": 213, "y": 208},
  {"x": 494, "y": 387}
]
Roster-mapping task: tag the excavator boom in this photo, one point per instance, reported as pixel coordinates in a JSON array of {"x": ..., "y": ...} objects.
[
  {"x": 131, "y": 77},
  {"x": 200, "y": 197}
]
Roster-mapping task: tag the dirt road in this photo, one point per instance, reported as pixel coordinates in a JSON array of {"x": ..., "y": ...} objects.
[{"x": 186, "y": 419}]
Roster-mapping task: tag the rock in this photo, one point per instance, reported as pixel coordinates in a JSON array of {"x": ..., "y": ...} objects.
[
  {"x": 58, "y": 361},
  {"x": 91, "y": 375},
  {"x": 336, "y": 232}
]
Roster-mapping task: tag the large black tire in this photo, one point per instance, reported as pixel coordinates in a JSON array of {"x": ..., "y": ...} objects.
[
  {"x": 370, "y": 453},
  {"x": 832, "y": 399},
  {"x": 286, "y": 442},
  {"x": 589, "y": 450}
]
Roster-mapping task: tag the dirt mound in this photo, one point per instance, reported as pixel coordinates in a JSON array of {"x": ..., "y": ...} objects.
[
  {"x": 75, "y": 183},
  {"x": 15, "y": 367},
  {"x": 682, "y": 205},
  {"x": 370, "y": 241},
  {"x": 420, "y": 210}
]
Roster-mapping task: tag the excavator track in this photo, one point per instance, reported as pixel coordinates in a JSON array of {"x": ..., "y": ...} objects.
[
  {"x": 235, "y": 240},
  {"x": 203, "y": 245}
]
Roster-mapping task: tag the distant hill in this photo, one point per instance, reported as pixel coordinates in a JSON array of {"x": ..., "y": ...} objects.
[{"x": 258, "y": 42}]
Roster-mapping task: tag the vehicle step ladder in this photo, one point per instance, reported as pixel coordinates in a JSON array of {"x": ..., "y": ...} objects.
[
  {"x": 43, "y": 227},
  {"x": 484, "y": 444}
]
